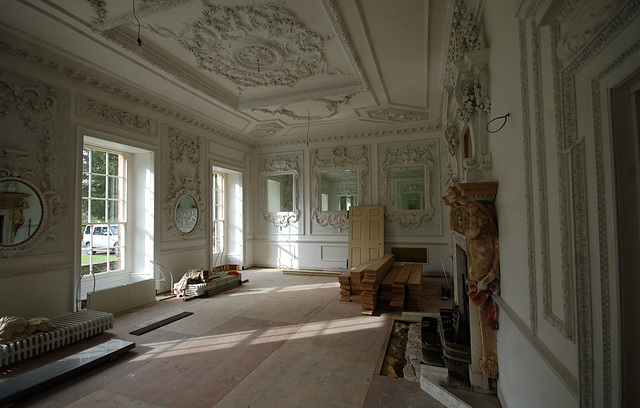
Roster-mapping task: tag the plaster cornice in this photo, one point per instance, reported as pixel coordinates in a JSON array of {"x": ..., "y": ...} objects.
[{"x": 64, "y": 67}]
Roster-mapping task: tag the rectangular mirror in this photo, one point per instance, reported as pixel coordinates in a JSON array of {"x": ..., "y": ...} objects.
[
  {"x": 407, "y": 185},
  {"x": 339, "y": 190},
  {"x": 280, "y": 193}
]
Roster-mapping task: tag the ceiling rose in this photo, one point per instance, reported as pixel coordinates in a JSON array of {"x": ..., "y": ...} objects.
[{"x": 253, "y": 46}]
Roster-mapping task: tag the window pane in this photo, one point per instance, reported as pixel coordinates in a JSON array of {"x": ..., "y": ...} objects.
[
  {"x": 98, "y": 162},
  {"x": 98, "y": 185},
  {"x": 97, "y": 211},
  {"x": 85, "y": 185},
  {"x": 85, "y": 160},
  {"x": 114, "y": 211},
  {"x": 112, "y": 187},
  {"x": 114, "y": 162},
  {"x": 85, "y": 211}
]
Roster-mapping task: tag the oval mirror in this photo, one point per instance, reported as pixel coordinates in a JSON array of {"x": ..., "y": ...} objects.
[
  {"x": 186, "y": 213},
  {"x": 20, "y": 212}
]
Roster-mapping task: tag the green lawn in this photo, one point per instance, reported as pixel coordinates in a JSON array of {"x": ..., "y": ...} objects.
[{"x": 96, "y": 258}]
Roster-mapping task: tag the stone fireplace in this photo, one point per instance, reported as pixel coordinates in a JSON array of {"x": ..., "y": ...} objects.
[{"x": 476, "y": 276}]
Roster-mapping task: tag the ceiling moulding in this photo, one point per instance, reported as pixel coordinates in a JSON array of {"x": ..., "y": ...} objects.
[
  {"x": 331, "y": 137},
  {"x": 330, "y": 105},
  {"x": 265, "y": 130},
  {"x": 246, "y": 47},
  {"x": 65, "y": 68},
  {"x": 396, "y": 115},
  {"x": 148, "y": 8}
]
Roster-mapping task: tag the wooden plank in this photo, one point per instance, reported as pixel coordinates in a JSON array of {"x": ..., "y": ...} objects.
[
  {"x": 415, "y": 278},
  {"x": 12, "y": 389},
  {"x": 402, "y": 277},
  {"x": 380, "y": 267}
]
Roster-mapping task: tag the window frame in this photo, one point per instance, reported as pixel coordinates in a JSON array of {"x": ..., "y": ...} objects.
[
  {"x": 121, "y": 203},
  {"x": 218, "y": 225}
]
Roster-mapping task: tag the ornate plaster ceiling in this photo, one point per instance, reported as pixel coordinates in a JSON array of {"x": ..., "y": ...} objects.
[{"x": 260, "y": 70}]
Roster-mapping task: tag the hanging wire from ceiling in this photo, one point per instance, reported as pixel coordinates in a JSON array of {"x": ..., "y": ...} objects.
[{"x": 138, "y": 40}]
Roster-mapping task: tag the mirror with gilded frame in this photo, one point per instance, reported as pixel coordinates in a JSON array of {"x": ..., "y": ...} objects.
[{"x": 337, "y": 183}]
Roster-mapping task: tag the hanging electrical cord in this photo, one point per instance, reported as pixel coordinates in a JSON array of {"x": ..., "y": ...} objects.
[
  {"x": 501, "y": 126},
  {"x": 138, "y": 40}
]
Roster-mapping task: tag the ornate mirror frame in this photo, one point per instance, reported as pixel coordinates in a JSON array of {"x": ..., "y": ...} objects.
[
  {"x": 280, "y": 166},
  {"x": 408, "y": 219},
  {"x": 13, "y": 159},
  {"x": 339, "y": 160},
  {"x": 184, "y": 178}
]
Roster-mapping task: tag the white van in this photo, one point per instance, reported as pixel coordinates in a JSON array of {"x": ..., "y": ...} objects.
[{"x": 99, "y": 237}]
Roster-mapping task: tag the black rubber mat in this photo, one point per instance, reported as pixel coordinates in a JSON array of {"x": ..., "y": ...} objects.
[{"x": 161, "y": 323}]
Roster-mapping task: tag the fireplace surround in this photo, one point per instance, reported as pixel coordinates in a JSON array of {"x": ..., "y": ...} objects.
[{"x": 475, "y": 255}]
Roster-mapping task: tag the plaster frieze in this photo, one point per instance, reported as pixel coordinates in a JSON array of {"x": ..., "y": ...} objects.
[
  {"x": 338, "y": 159},
  {"x": 110, "y": 114},
  {"x": 332, "y": 137},
  {"x": 34, "y": 108},
  {"x": 184, "y": 178},
  {"x": 396, "y": 115}
]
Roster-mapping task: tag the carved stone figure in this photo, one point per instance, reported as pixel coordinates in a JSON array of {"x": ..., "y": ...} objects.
[{"x": 473, "y": 215}]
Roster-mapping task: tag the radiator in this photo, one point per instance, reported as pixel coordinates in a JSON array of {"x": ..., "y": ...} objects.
[
  {"x": 123, "y": 297},
  {"x": 67, "y": 329}
]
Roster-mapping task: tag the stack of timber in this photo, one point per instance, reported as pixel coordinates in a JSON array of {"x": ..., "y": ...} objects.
[
  {"x": 351, "y": 282},
  {"x": 373, "y": 275},
  {"x": 414, "y": 288},
  {"x": 384, "y": 296},
  {"x": 345, "y": 287},
  {"x": 398, "y": 293}
]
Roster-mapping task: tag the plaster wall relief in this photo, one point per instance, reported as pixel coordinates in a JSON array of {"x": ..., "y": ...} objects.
[
  {"x": 183, "y": 157},
  {"x": 465, "y": 100},
  {"x": 106, "y": 113},
  {"x": 339, "y": 176},
  {"x": 409, "y": 184},
  {"x": 570, "y": 44},
  {"x": 280, "y": 193},
  {"x": 33, "y": 116}
]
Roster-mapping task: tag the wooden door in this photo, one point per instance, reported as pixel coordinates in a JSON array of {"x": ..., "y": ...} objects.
[{"x": 366, "y": 234}]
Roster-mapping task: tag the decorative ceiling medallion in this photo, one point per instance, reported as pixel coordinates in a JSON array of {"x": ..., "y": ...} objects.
[
  {"x": 396, "y": 115},
  {"x": 253, "y": 46},
  {"x": 331, "y": 107},
  {"x": 265, "y": 130}
]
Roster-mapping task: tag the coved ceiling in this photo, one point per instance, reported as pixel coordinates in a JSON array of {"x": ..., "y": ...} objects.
[{"x": 261, "y": 71}]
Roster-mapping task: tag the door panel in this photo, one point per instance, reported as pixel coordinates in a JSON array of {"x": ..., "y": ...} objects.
[{"x": 366, "y": 234}]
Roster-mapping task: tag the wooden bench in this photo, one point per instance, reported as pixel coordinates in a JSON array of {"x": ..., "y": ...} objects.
[{"x": 68, "y": 329}]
